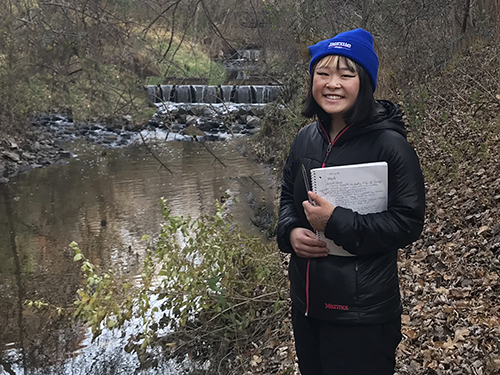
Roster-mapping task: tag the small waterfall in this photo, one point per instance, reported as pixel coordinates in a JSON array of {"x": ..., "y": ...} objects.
[{"x": 213, "y": 94}]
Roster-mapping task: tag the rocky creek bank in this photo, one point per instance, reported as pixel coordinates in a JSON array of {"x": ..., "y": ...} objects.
[{"x": 42, "y": 142}]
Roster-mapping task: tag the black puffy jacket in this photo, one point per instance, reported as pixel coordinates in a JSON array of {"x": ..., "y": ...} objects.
[{"x": 361, "y": 289}]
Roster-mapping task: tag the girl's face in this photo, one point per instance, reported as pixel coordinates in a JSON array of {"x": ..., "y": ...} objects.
[{"x": 335, "y": 86}]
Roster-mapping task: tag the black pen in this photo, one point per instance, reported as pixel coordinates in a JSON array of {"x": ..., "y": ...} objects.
[{"x": 306, "y": 182}]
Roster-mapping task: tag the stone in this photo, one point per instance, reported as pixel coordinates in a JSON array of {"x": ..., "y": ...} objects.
[
  {"x": 65, "y": 154},
  {"x": 176, "y": 128},
  {"x": 12, "y": 156},
  {"x": 238, "y": 128},
  {"x": 182, "y": 118},
  {"x": 27, "y": 155},
  {"x": 208, "y": 125},
  {"x": 212, "y": 137},
  {"x": 184, "y": 109},
  {"x": 258, "y": 111},
  {"x": 244, "y": 110},
  {"x": 155, "y": 123},
  {"x": 253, "y": 121},
  {"x": 191, "y": 120},
  {"x": 199, "y": 110},
  {"x": 115, "y": 123},
  {"x": 209, "y": 112},
  {"x": 12, "y": 144},
  {"x": 193, "y": 131}
]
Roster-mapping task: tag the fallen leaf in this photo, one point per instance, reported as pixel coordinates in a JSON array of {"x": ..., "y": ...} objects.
[
  {"x": 416, "y": 270},
  {"x": 405, "y": 319},
  {"x": 461, "y": 333},
  {"x": 419, "y": 306},
  {"x": 442, "y": 290},
  {"x": 410, "y": 333},
  {"x": 483, "y": 229},
  {"x": 459, "y": 293},
  {"x": 449, "y": 344},
  {"x": 448, "y": 309},
  {"x": 493, "y": 322},
  {"x": 420, "y": 256},
  {"x": 462, "y": 304},
  {"x": 268, "y": 332}
]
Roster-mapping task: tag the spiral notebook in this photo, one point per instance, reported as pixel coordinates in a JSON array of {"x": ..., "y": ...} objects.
[{"x": 361, "y": 187}]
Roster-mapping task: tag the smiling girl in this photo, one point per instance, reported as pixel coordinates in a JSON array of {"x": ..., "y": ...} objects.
[{"x": 346, "y": 310}]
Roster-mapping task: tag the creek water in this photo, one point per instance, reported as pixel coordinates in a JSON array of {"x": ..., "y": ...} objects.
[{"x": 106, "y": 200}]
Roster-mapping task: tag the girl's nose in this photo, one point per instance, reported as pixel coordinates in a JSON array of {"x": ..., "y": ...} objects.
[{"x": 333, "y": 82}]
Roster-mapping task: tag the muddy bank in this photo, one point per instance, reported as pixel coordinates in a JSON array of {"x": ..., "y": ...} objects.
[{"x": 35, "y": 148}]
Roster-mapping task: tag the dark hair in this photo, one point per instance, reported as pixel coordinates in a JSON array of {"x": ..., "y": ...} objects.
[{"x": 362, "y": 111}]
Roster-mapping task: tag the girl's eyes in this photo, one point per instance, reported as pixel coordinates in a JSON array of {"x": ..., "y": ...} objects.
[{"x": 343, "y": 75}]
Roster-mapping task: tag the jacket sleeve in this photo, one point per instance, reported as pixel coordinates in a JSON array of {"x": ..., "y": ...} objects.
[
  {"x": 288, "y": 218},
  {"x": 395, "y": 228}
]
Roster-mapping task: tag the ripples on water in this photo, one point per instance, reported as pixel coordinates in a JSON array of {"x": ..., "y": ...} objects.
[{"x": 106, "y": 203}]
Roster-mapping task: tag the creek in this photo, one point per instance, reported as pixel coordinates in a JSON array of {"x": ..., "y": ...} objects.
[{"x": 106, "y": 200}]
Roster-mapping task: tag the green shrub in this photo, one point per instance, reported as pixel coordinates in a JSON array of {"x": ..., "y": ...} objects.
[{"x": 219, "y": 289}]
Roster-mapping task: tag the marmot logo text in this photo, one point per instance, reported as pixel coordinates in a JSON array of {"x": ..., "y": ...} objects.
[{"x": 331, "y": 306}]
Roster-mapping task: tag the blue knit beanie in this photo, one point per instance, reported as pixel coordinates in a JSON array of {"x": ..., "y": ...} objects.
[{"x": 355, "y": 44}]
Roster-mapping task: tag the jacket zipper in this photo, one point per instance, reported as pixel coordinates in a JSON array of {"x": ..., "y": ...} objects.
[
  {"x": 328, "y": 150},
  {"x": 307, "y": 287},
  {"x": 356, "y": 279}
]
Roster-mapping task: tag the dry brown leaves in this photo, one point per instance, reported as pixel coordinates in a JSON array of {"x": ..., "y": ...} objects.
[{"x": 450, "y": 277}]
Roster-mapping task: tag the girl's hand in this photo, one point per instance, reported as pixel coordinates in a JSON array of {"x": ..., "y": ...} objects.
[
  {"x": 306, "y": 245},
  {"x": 318, "y": 214}
]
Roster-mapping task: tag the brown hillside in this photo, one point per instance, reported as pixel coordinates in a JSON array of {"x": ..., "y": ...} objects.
[{"x": 449, "y": 278}]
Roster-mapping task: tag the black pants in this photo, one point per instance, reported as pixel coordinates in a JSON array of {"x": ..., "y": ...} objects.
[{"x": 325, "y": 348}]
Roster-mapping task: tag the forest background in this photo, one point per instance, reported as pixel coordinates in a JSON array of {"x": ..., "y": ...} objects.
[{"x": 439, "y": 61}]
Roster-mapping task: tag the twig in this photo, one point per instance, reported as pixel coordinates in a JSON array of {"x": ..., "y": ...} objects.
[
  {"x": 146, "y": 29},
  {"x": 220, "y": 161},
  {"x": 220, "y": 362},
  {"x": 152, "y": 153},
  {"x": 256, "y": 183},
  {"x": 242, "y": 303},
  {"x": 214, "y": 26},
  {"x": 478, "y": 83}
]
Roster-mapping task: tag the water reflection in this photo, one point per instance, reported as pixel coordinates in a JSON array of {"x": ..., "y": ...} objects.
[{"x": 105, "y": 200}]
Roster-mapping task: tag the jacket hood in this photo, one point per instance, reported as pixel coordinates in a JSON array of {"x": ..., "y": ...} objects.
[{"x": 387, "y": 116}]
